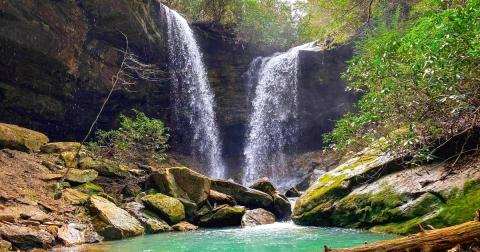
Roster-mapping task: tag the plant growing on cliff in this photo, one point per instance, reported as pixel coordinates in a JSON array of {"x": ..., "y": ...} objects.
[
  {"x": 420, "y": 75},
  {"x": 138, "y": 138}
]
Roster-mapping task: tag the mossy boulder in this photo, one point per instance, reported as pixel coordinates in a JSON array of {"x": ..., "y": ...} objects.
[
  {"x": 223, "y": 216},
  {"x": 182, "y": 182},
  {"x": 151, "y": 222},
  {"x": 168, "y": 208},
  {"x": 315, "y": 205},
  {"x": 105, "y": 167},
  {"x": 59, "y": 147},
  {"x": 113, "y": 222},
  {"x": 22, "y": 139},
  {"x": 90, "y": 188},
  {"x": 75, "y": 197},
  {"x": 244, "y": 196},
  {"x": 81, "y": 176}
]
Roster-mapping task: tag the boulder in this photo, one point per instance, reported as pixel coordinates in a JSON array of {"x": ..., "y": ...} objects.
[
  {"x": 150, "y": 221},
  {"x": 256, "y": 217},
  {"x": 25, "y": 212},
  {"x": 184, "y": 226},
  {"x": 181, "y": 182},
  {"x": 113, "y": 222},
  {"x": 221, "y": 198},
  {"x": 74, "y": 234},
  {"x": 75, "y": 197},
  {"x": 223, "y": 216},
  {"x": 264, "y": 185},
  {"x": 168, "y": 208},
  {"x": 292, "y": 192},
  {"x": 244, "y": 196},
  {"x": 69, "y": 158},
  {"x": 22, "y": 139},
  {"x": 281, "y": 207},
  {"x": 190, "y": 209},
  {"x": 81, "y": 176},
  {"x": 26, "y": 238},
  {"x": 105, "y": 167},
  {"x": 59, "y": 147},
  {"x": 90, "y": 188}
]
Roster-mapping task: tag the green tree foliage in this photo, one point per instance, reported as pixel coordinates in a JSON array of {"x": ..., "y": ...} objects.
[
  {"x": 138, "y": 138},
  {"x": 340, "y": 20},
  {"x": 421, "y": 76},
  {"x": 269, "y": 22}
]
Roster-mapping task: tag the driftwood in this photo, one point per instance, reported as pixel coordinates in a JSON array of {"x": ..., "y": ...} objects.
[{"x": 427, "y": 240}]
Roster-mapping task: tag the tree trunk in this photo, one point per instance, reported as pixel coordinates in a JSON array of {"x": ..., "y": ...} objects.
[{"x": 428, "y": 241}]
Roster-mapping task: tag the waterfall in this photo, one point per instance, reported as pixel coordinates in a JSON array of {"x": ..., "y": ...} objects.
[
  {"x": 273, "y": 121},
  {"x": 193, "y": 99}
]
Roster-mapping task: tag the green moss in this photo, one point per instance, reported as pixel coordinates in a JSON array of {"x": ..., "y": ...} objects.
[
  {"x": 402, "y": 228},
  {"x": 170, "y": 209},
  {"x": 90, "y": 188}
]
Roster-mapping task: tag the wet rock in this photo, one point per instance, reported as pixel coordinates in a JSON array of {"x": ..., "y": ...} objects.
[
  {"x": 59, "y": 147},
  {"x": 74, "y": 234},
  {"x": 256, "y": 217},
  {"x": 113, "y": 222},
  {"x": 75, "y": 197},
  {"x": 151, "y": 221},
  {"x": 281, "y": 207},
  {"x": 181, "y": 182},
  {"x": 168, "y": 208},
  {"x": 264, "y": 185},
  {"x": 223, "y": 216},
  {"x": 26, "y": 238},
  {"x": 22, "y": 139},
  {"x": 292, "y": 192},
  {"x": 221, "y": 198},
  {"x": 81, "y": 176},
  {"x": 244, "y": 196},
  {"x": 184, "y": 227},
  {"x": 105, "y": 167}
]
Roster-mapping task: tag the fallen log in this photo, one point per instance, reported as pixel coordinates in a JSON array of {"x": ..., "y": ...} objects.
[{"x": 428, "y": 240}]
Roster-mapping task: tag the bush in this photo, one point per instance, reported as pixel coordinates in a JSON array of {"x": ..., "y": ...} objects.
[
  {"x": 138, "y": 139},
  {"x": 420, "y": 75}
]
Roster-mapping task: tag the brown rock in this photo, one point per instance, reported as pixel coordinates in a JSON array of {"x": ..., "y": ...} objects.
[
  {"x": 26, "y": 238},
  {"x": 22, "y": 139},
  {"x": 256, "y": 217},
  {"x": 184, "y": 227}
]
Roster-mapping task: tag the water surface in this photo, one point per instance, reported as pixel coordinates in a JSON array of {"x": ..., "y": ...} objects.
[{"x": 274, "y": 237}]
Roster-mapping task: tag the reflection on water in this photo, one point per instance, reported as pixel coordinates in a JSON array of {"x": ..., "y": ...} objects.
[{"x": 282, "y": 236}]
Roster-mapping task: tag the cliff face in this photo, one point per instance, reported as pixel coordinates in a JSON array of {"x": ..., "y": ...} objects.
[{"x": 58, "y": 57}]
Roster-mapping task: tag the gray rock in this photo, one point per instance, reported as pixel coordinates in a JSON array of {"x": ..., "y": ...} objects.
[
  {"x": 223, "y": 216},
  {"x": 151, "y": 221},
  {"x": 256, "y": 217},
  {"x": 244, "y": 196}
]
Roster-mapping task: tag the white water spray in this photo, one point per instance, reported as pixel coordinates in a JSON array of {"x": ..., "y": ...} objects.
[
  {"x": 273, "y": 123},
  {"x": 193, "y": 99}
]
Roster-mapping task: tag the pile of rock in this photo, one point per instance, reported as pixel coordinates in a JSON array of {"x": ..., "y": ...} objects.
[{"x": 104, "y": 199}]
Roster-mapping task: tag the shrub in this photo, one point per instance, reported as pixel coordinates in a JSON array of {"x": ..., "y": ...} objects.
[{"x": 139, "y": 138}]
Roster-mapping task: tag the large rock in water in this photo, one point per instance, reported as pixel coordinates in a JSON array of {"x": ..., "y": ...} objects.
[
  {"x": 169, "y": 209},
  {"x": 26, "y": 238},
  {"x": 223, "y": 216},
  {"x": 281, "y": 205},
  {"x": 113, "y": 222},
  {"x": 181, "y": 182},
  {"x": 244, "y": 196},
  {"x": 22, "y": 139},
  {"x": 151, "y": 222},
  {"x": 256, "y": 217}
]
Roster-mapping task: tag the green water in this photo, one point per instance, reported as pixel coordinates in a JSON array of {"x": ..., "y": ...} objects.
[{"x": 275, "y": 237}]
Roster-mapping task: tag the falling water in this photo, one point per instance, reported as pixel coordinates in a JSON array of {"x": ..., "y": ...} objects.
[
  {"x": 273, "y": 121},
  {"x": 193, "y": 99}
]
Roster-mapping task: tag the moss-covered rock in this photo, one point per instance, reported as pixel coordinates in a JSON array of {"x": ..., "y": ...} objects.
[
  {"x": 22, "y": 139},
  {"x": 90, "y": 188},
  {"x": 181, "y": 182},
  {"x": 152, "y": 222},
  {"x": 81, "y": 176},
  {"x": 75, "y": 197},
  {"x": 105, "y": 167},
  {"x": 168, "y": 208},
  {"x": 315, "y": 205},
  {"x": 113, "y": 222},
  {"x": 223, "y": 216}
]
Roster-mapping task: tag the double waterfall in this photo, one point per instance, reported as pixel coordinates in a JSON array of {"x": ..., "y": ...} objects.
[
  {"x": 273, "y": 122},
  {"x": 193, "y": 99}
]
